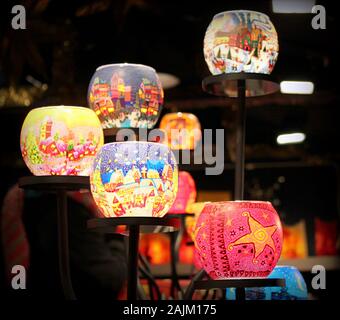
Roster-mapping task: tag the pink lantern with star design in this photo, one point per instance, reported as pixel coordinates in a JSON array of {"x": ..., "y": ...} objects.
[{"x": 238, "y": 239}]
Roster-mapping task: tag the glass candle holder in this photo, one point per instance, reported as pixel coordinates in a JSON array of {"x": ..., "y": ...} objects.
[
  {"x": 190, "y": 222},
  {"x": 186, "y": 194},
  {"x": 183, "y": 130},
  {"x": 60, "y": 140},
  {"x": 134, "y": 179},
  {"x": 126, "y": 95},
  {"x": 241, "y": 41},
  {"x": 295, "y": 288},
  {"x": 238, "y": 239}
]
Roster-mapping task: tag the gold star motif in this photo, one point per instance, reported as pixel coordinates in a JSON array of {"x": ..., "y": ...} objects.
[{"x": 259, "y": 236}]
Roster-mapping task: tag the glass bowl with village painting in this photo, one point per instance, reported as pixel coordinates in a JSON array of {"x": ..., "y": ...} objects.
[
  {"x": 126, "y": 96},
  {"x": 241, "y": 41},
  {"x": 134, "y": 179},
  {"x": 238, "y": 239},
  {"x": 60, "y": 140}
]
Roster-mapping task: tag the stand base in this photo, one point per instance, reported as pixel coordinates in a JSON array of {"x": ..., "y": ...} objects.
[
  {"x": 55, "y": 183},
  {"x": 175, "y": 242},
  {"x": 135, "y": 226},
  {"x": 60, "y": 185},
  {"x": 240, "y": 284},
  {"x": 257, "y": 84},
  {"x": 147, "y": 224},
  {"x": 133, "y": 134}
]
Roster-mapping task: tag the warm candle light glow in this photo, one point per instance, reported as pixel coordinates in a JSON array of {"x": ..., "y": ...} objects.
[
  {"x": 241, "y": 41},
  {"x": 183, "y": 130},
  {"x": 60, "y": 140},
  {"x": 126, "y": 95},
  {"x": 238, "y": 239},
  {"x": 134, "y": 179},
  {"x": 186, "y": 194}
]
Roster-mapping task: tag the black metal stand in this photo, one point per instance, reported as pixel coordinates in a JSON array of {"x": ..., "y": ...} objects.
[
  {"x": 176, "y": 237},
  {"x": 240, "y": 140},
  {"x": 133, "y": 261},
  {"x": 136, "y": 225},
  {"x": 59, "y": 185},
  {"x": 175, "y": 242},
  {"x": 240, "y": 85},
  {"x": 131, "y": 134},
  {"x": 226, "y": 85},
  {"x": 145, "y": 271},
  {"x": 240, "y": 284},
  {"x": 237, "y": 85},
  {"x": 120, "y": 134}
]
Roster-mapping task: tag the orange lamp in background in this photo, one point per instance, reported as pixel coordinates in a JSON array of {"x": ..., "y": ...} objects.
[
  {"x": 295, "y": 243},
  {"x": 183, "y": 130}
]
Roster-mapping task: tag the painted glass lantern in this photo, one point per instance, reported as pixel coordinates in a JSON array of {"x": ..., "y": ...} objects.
[
  {"x": 295, "y": 288},
  {"x": 238, "y": 239},
  {"x": 126, "y": 96},
  {"x": 190, "y": 222},
  {"x": 186, "y": 194},
  {"x": 241, "y": 41},
  {"x": 183, "y": 130},
  {"x": 134, "y": 178},
  {"x": 60, "y": 140}
]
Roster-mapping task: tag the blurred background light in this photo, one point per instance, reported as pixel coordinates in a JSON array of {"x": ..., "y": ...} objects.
[
  {"x": 168, "y": 80},
  {"x": 289, "y": 138},
  {"x": 292, "y": 6},
  {"x": 297, "y": 87}
]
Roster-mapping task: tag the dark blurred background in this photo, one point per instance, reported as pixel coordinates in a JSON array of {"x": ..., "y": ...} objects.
[{"x": 52, "y": 61}]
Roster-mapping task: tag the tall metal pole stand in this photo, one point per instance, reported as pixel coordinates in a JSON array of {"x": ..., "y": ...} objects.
[
  {"x": 240, "y": 140},
  {"x": 63, "y": 246},
  {"x": 59, "y": 185},
  {"x": 133, "y": 240}
]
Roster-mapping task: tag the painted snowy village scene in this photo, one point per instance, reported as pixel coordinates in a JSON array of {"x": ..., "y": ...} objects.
[
  {"x": 125, "y": 99},
  {"x": 53, "y": 143},
  {"x": 134, "y": 179},
  {"x": 241, "y": 42}
]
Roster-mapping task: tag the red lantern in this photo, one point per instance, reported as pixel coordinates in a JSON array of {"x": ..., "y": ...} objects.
[
  {"x": 325, "y": 237},
  {"x": 238, "y": 239},
  {"x": 186, "y": 194},
  {"x": 295, "y": 244}
]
